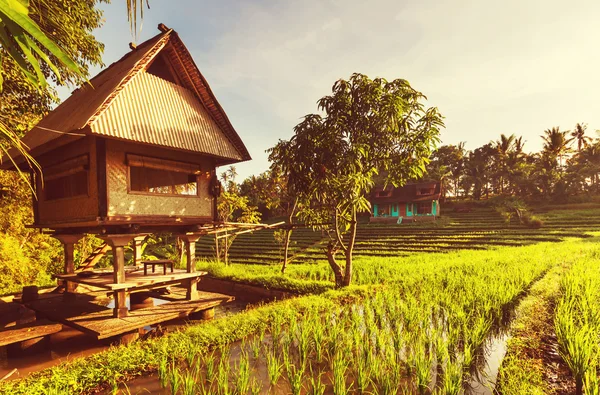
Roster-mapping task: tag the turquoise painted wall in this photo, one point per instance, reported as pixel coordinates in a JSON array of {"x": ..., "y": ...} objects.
[
  {"x": 394, "y": 210},
  {"x": 434, "y": 207},
  {"x": 374, "y": 210},
  {"x": 409, "y": 210}
]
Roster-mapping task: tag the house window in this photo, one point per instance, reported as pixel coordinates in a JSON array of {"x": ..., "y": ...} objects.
[
  {"x": 424, "y": 208},
  {"x": 383, "y": 210},
  {"x": 425, "y": 191},
  {"x": 162, "y": 176},
  {"x": 67, "y": 179},
  {"x": 384, "y": 193}
]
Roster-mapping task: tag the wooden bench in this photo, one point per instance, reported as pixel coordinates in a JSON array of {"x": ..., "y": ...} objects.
[{"x": 160, "y": 262}]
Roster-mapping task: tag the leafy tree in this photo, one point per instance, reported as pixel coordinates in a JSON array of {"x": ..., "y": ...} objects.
[
  {"x": 70, "y": 23},
  {"x": 231, "y": 205},
  {"x": 47, "y": 38},
  {"x": 368, "y": 126},
  {"x": 447, "y": 166}
]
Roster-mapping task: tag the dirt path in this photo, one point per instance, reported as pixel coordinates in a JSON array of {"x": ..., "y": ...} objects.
[{"x": 532, "y": 364}]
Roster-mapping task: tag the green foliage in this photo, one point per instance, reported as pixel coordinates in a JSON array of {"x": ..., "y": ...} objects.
[
  {"x": 557, "y": 173},
  {"x": 233, "y": 207},
  {"x": 22, "y": 103},
  {"x": 16, "y": 270},
  {"x": 368, "y": 127}
]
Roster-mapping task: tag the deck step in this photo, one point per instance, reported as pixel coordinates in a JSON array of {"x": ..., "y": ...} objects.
[{"x": 98, "y": 320}]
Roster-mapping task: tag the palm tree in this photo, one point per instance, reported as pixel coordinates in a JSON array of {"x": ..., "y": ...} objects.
[
  {"x": 519, "y": 144},
  {"x": 503, "y": 148},
  {"x": 579, "y": 135},
  {"x": 556, "y": 143}
]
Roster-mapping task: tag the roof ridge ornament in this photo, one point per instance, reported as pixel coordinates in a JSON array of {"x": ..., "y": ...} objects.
[{"x": 162, "y": 27}]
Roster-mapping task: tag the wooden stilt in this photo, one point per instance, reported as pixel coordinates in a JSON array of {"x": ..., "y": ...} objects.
[
  {"x": 68, "y": 242},
  {"x": 137, "y": 249},
  {"x": 189, "y": 245},
  {"x": 118, "y": 242}
]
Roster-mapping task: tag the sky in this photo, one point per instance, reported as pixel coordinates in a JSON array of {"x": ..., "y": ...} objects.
[{"x": 491, "y": 67}]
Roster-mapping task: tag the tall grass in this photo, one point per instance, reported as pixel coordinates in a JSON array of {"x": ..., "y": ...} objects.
[{"x": 577, "y": 324}]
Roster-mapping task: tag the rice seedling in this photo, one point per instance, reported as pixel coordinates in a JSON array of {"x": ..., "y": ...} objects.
[
  {"x": 318, "y": 337},
  {"x": 316, "y": 384},
  {"x": 188, "y": 383},
  {"x": 223, "y": 371},
  {"x": 362, "y": 370},
  {"x": 256, "y": 346},
  {"x": 423, "y": 362},
  {"x": 163, "y": 371},
  {"x": 243, "y": 374},
  {"x": 208, "y": 361},
  {"x": 452, "y": 378},
  {"x": 274, "y": 367},
  {"x": 339, "y": 373},
  {"x": 191, "y": 354},
  {"x": 295, "y": 373},
  {"x": 255, "y": 386},
  {"x": 175, "y": 378},
  {"x": 304, "y": 341}
]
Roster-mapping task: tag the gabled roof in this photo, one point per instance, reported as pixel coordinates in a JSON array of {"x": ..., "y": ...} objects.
[
  {"x": 407, "y": 193},
  {"x": 125, "y": 102}
]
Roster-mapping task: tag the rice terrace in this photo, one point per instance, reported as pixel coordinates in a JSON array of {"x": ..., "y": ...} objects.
[{"x": 160, "y": 233}]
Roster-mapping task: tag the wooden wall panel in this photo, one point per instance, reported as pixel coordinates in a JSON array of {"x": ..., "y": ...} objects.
[
  {"x": 123, "y": 203},
  {"x": 79, "y": 208}
]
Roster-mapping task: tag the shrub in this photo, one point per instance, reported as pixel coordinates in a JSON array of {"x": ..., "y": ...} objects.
[{"x": 531, "y": 221}]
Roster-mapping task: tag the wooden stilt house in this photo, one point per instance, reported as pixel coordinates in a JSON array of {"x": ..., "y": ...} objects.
[
  {"x": 131, "y": 153},
  {"x": 412, "y": 202}
]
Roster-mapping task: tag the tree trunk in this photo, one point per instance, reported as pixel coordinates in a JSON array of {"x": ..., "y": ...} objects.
[
  {"x": 288, "y": 236},
  {"x": 226, "y": 249},
  {"x": 350, "y": 249},
  {"x": 337, "y": 270}
]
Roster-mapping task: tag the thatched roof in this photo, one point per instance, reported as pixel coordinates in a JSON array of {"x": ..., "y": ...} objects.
[{"x": 128, "y": 101}]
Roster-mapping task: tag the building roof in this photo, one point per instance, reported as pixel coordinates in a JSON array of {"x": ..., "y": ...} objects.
[
  {"x": 407, "y": 193},
  {"x": 126, "y": 102}
]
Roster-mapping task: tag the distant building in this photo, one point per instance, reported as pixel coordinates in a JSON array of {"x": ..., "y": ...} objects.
[{"x": 412, "y": 202}]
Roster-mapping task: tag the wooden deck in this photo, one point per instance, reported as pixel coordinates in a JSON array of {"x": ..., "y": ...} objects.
[
  {"x": 133, "y": 280},
  {"x": 97, "y": 320}
]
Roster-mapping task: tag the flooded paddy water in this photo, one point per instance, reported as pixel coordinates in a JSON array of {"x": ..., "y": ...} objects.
[{"x": 252, "y": 351}]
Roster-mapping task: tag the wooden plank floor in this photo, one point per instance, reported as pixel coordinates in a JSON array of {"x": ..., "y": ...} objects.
[
  {"x": 98, "y": 320},
  {"x": 18, "y": 333},
  {"x": 133, "y": 280}
]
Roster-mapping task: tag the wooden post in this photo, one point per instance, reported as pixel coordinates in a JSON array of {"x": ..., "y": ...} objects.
[
  {"x": 189, "y": 246},
  {"x": 137, "y": 250},
  {"x": 68, "y": 242},
  {"x": 118, "y": 243},
  {"x": 217, "y": 248}
]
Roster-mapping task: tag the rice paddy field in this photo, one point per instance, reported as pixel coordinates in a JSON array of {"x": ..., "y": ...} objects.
[{"x": 465, "y": 305}]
